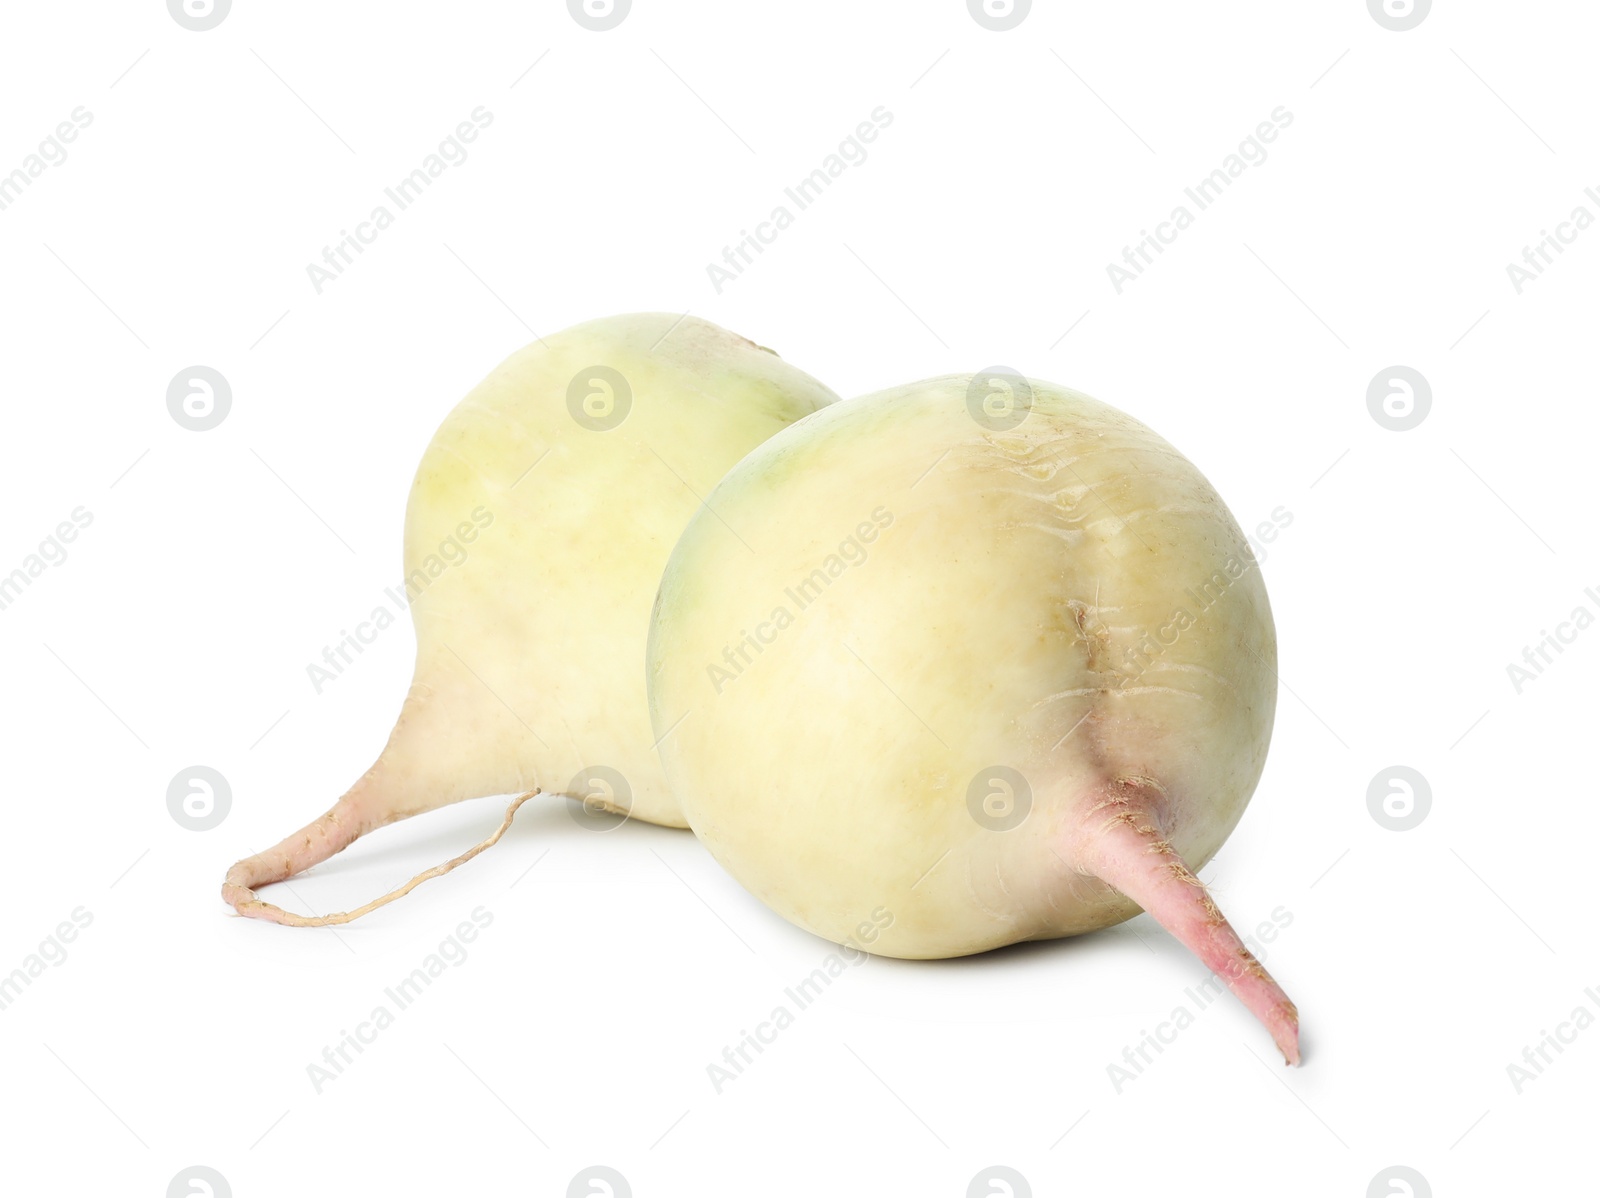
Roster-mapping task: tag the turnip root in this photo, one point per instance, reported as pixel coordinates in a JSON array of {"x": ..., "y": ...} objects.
[
  {"x": 982, "y": 677},
  {"x": 541, "y": 516}
]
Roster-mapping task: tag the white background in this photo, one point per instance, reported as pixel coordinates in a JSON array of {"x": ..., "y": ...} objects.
[{"x": 978, "y": 231}]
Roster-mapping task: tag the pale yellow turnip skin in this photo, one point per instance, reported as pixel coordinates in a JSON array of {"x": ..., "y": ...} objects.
[
  {"x": 988, "y": 622},
  {"x": 530, "y": 643},
  {"x": 529, "y": 656}
]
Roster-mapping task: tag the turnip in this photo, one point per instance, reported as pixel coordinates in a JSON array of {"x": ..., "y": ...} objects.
[
  {"x": 541, "y": 516},
  {"x": 968, "y": 662}
]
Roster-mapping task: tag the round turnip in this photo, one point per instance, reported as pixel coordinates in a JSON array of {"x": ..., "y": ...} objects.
[
  {"x": 541, "y": 516},
  {"x": 968, "y": 662}
]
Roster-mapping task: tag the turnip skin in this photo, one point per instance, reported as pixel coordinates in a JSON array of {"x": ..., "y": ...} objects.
[
  {"x": 530, "y": 649},
  {"x": 988, "y": 623}
]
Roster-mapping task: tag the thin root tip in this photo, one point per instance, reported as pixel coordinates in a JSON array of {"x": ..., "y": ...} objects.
[
  {"x": 238, "y": 889},
  {"x": 244, "y": 902},
  {"x": 1287, "y": 1036}
]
